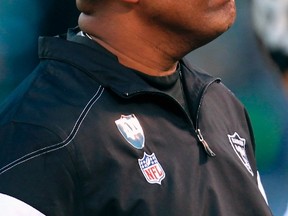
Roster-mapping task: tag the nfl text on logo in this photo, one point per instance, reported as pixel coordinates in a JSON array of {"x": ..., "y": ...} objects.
[{"x": 151, "y": 169}]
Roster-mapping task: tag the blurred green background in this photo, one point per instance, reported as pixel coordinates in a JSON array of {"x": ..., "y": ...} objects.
[{"x": 234, "y": 57}]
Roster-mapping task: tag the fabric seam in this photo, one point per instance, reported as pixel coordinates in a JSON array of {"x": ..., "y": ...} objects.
[{"x": 59, "y": 145}]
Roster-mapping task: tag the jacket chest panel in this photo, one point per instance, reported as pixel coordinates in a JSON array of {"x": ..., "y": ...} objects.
[
  {"x": 111, "y": 153},
  {"x": 142, "y": 151}
]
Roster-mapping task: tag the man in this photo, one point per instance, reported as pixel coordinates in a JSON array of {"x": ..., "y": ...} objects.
[{"x": 114, "y": 122}]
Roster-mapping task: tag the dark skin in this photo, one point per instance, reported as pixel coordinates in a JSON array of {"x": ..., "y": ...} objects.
[{"x": 146, "y": 37}]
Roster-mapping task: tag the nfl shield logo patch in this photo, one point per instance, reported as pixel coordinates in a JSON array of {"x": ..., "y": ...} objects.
[
  {"x": 239, "y": 145},
  {"x": 151, "y": 169},
  {"x": 131, "y": 130}
]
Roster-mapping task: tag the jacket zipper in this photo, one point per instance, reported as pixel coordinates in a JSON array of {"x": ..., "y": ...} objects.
[
  {"x": 207, "y": 148},
  {"x": 196, "y": 128},
  {"x": 200, "y": 137}
]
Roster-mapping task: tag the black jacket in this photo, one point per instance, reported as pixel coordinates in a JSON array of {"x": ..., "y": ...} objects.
[{"x": 83, "y": 135}]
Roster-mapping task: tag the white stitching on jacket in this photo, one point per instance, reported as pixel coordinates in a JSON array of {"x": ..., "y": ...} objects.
[{"x": 62, "y": 144}]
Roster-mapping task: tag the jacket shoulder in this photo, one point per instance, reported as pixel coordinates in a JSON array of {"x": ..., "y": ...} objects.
[{"x": 52, "y": 96}]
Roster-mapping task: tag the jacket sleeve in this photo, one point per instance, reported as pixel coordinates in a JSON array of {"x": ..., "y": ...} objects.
[
  {"x": 35, "y": 170},
  {"x": 259, "y": 183}
]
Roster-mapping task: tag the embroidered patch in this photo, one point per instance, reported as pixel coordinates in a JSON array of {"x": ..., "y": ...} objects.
[
  {"x": 239, "y": 146},
  {"x": 151, "y": 169},
  {"x": 131, "y": 130}
]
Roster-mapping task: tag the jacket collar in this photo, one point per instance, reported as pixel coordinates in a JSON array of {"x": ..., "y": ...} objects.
[{"x": 104, "y": 67}]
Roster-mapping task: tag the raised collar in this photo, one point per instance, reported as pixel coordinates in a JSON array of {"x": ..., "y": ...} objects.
[{"x": 103, "y": 66}]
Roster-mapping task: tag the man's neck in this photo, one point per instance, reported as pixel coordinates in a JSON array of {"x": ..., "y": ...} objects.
[
  {"x": 136, "y": 47},
  {"x": 151, "y": 68}
]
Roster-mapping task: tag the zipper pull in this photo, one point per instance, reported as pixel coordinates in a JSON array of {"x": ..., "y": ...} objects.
[{"x": 208, "y": 150}]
